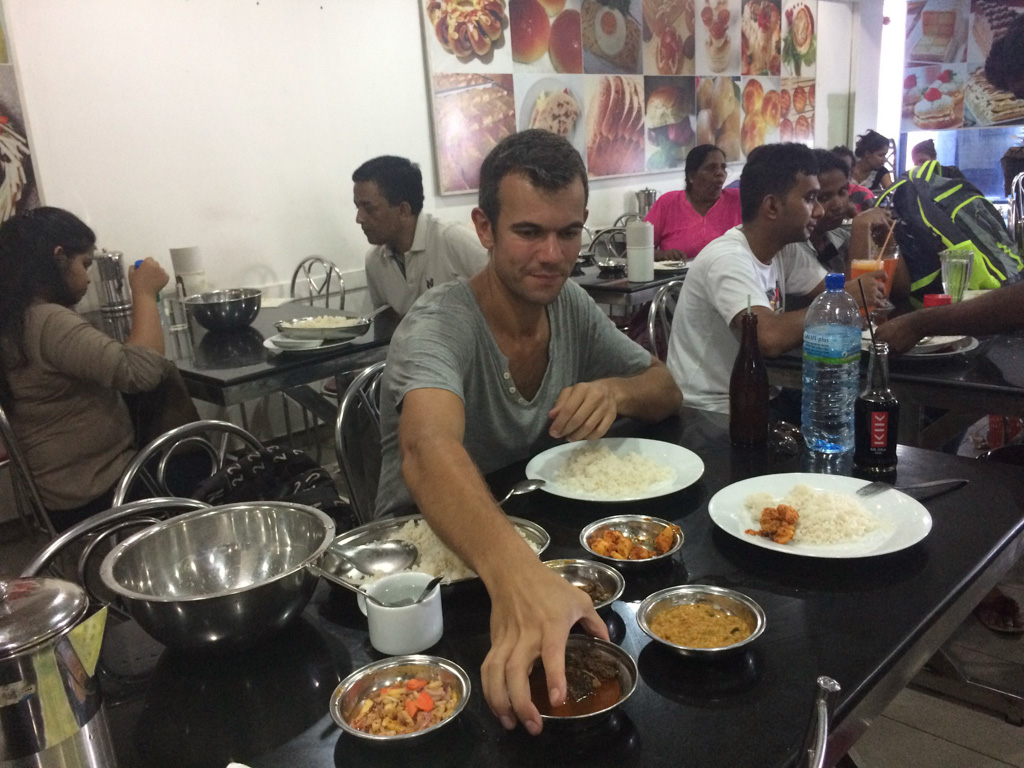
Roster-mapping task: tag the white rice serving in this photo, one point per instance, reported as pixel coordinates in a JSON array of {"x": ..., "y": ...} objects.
[
  {"x": 825, "y": 517},
  {"x": 435, "y": 558},
  {"x": 595, "y": 469},
  {"x": 326, "y": 321}
]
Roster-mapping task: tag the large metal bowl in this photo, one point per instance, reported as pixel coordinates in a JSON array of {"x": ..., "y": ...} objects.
[
  {"x": 220, "y": 578},
  {"x": 391, "y": 672},
  {"x": 728, "y": 600},
  {"x": 227, "y": 310}
]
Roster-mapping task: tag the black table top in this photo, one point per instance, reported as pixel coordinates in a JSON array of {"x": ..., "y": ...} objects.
[
  {"x": 591, "y": 280},
  {"x": 869, "y": 623},
  {"x": 230, "y": 367}
]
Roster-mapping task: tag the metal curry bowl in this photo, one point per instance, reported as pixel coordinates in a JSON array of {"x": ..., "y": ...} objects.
[
  {"x": 626, "y": 672},
  {"x": 642, "y": 529},
  {"x": 297, "y": 328},
  {"x": 393, "y": 672},
  {"x": 223, "y": 577},
  {"x": 602, "y": 582},
  {"x": 227, "y": 310},
  {"x": 728, "y": 600}
]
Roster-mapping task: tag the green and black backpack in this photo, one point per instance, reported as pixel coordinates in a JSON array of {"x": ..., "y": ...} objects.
[{"x": 935, "y": 213}]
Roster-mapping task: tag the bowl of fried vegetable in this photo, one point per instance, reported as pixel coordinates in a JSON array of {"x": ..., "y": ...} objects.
[
  {"x": 627, "y": 540},
  {"x": 602, "y": 582},
  {"x": 599, "y": 675},
  {"x": 400, "y": 698},
  {"x": 701, "y": 621}
]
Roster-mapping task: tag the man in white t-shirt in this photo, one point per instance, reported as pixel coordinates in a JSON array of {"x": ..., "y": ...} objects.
[
  {"x": 779, "y": 199},
  {"x": 412, "y": 250}
]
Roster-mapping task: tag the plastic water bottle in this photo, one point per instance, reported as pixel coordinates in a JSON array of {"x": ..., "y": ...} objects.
[{"x": 831, "y": 373}]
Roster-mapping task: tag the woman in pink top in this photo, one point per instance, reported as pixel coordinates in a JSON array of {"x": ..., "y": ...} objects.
[{"x": 684, "y": 222}]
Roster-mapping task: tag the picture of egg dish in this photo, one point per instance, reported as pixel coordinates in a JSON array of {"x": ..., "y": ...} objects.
[{"x": 611, "y": 37}]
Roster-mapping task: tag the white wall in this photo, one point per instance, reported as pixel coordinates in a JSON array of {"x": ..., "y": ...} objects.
[{"x": 235, "y": 125}]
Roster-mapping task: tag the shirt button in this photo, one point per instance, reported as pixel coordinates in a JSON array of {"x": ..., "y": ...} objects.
[
  {"x": 521, "y": 401},
  {"x": 507, "y": 375},
  {"x": 512, "y": 390}
]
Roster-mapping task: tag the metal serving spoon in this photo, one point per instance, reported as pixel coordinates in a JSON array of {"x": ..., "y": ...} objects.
[
  {"x": 523, "y": 486},
  {"x": 422, "y": 596},
  {"x": 378, "y": 558}
]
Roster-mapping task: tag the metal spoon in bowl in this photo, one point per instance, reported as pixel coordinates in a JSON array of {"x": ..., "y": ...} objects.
[
  {"x": 378, "y": 558},
  {"x": 422, "y": 596},
  {"x": 523, "y": 486}
]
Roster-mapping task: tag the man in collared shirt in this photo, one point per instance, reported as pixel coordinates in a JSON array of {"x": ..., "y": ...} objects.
[{"x": 412, "y": 250}]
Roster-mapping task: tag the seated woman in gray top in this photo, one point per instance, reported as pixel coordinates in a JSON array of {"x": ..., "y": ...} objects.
[{"x": 61, "y": 378}]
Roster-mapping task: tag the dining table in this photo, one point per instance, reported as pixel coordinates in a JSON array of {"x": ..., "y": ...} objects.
[
  {"x": 870, "y": 623},
  {"x": 618, "y": 291},
  {"x": 986, "y": 378},
  {"x": 231, "y": 367}
]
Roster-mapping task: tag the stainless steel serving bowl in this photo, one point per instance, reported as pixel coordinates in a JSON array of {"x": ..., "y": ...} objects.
[
  {"x": 394, "y": 671},
  {"x": 727, "y": 600},
  {"x": 628, "y": 674},
  {"x": 295, "y": 329},
  {"x": 221, "y": 577},
  {"x": 590, "y": 577},
  {"x": 226, "y": 310},
  {"x": 643, "y": 529}
]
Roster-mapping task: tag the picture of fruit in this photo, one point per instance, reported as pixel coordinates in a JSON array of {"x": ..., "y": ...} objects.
[
  {"x": 529, "y": 28},
  {"x": 565, "y": 44}
]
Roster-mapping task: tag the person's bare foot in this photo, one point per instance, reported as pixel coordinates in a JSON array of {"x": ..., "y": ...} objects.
[{"x": 1000, "y": 613}]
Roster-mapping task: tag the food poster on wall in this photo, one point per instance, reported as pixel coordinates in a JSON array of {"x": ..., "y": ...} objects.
[
  {"x": 633, "y": 84},
  {"x": 796, "y": 107},
  {"x": 944, "y": 83},
  {"x": 17, "y": 179},
  {"x": 799, "y": 38}
]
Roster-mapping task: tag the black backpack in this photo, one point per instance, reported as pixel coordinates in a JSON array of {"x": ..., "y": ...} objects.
[{"x": 935, "y": 213}]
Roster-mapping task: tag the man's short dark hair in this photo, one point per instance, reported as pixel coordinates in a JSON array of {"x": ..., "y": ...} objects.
[
  {"x": 547, "y": 160},
  {"x": 398, "y": 179},
  {"x": 829, "y": 161},
  {"x": 1005, "y": 65},
  {"x": 772, "y": 169}
]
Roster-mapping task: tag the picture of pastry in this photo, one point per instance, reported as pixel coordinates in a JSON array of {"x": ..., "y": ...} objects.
[
  {"x": 799, "y": 99},
  {"x": 934, "y": 111},
  {"x": 715, "y": 16},
  {"x": 669, "y": 43},
  {"x": 771, "y": 110},
  {"x": 669, "y": 123},
  {"x": 555, "y": 111},
  {"x": 785, "y": 101},
  {"x": 799, "y": 38},
  {"x": 615, "y": 126},
  {"x": 803, "y": 130},
  {"x": 611, "y": 35},
  {"x": 467, "y": 29},
  {"x": 761, "y": 35},
  {"x": 719, "y": 122},
  {"x": 753, "y": 94},
  {"x": 785, "y": 130},
  {"x": 705, "y": 93},
  {"x": 796, "y": 110},
  {"x": 753, "y": 133},
  {"x": 991, "y": 20},
  {"x": 468, "y": 122},
  {"x": 912, "y": 93},
  {"x": 724, "y": 102},
  {"x": 949, "y": 84},
  {"x": 989, "y": 105},
  {"x": 941, "y": 37},
  {"x": 565, "y": 46}
]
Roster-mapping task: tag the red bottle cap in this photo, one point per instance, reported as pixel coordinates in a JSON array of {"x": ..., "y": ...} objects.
[{"x": 937, "y": 299}]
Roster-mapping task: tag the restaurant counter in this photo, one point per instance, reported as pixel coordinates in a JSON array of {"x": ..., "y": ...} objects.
[{"x": 869, "y": 623}]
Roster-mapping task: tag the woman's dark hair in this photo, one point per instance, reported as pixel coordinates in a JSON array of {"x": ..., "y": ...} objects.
[
  {"x": 872, "y": 141},
  {"x": 926, "y": 147},
  {"x": 695, "y": 159},
  {"x": 29, "y": 271}
]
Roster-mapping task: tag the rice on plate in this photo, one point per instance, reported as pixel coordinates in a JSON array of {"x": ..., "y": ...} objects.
[
  {"x": 825, "y": 517},
  {"x": 596, "y": 469},
  {"x": 325, "y": 321}
]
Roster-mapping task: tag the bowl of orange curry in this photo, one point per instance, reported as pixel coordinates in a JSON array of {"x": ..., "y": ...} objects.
[{"x": 701, "y": 621}]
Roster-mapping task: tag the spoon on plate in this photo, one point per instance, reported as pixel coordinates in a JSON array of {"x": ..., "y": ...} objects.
[
  {"x": 523, "y": 486},
  {"x": 377, "y": 558},
  {"x": 377, "y": 311}
]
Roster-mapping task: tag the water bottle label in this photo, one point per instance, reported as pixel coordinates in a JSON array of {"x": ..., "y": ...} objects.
[{"x": 832, "y": 345}]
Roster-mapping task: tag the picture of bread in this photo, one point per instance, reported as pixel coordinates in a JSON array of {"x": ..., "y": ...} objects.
[
  {"x": 753, "y": 93},
  {"x": 724, "y": 101},
  {"x": 799, "y": 99},
  {"x": 770, "y": 109},
  {"x": 615, "y": 127},
  {"x": 752, "y": 134},
  {"x": 705, "y": 132},
  {"x": 705, "y": 93}
]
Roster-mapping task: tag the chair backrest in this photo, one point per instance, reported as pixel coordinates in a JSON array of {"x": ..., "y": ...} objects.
[
  {"x": 659, "y": 317},
  {"x": 357, "y": 440},
  {"x": 151, "y": 463},
  {"x": 323, "y": 280},
  {"x": 26, "y": 495}
]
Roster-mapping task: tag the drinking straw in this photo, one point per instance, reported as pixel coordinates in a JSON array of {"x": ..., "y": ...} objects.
[
  {"x": 748, "y": 303},
  {"x": 867, "y": 314},
  {"x": 885, "y": 245}
]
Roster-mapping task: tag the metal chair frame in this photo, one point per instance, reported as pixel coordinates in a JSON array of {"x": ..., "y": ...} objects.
[
  {"x": 363, "y": 393},
  {"x": 659, "y": 317},
  {"x": 199, "y": 434},
  {"x": 27, "y": 499},
  {"x": 320, "y": 274}
]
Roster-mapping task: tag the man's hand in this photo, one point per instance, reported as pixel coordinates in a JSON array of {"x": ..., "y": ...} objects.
[
  {"x": 877, "y": 221},
  {"x": 874, "y": 288},
  {"x": 901, "y": 333},
  {"x": 531, "y": 614},
  {"x": 672, "y": 254},
  {"x": 583, "y": 411}
]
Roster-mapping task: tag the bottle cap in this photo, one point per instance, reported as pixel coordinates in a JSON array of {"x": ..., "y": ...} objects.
[
  {"x": 835, "y": 281},
  {"x": 138, "y": 263},
  {"x": 937, "y": 299}
]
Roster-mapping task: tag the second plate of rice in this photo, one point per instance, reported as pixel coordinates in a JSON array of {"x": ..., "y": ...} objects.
[
  {"x": 833, "y": 522},
  {"x": 616, "y": 469}
]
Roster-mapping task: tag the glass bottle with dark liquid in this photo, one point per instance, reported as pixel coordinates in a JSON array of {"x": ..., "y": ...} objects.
[
  {"x": 876, "y": 420},
  {"x": 748, "y": 390}
]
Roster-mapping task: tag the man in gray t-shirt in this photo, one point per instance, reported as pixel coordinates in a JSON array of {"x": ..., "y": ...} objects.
[{"x": 487, "y": 371}]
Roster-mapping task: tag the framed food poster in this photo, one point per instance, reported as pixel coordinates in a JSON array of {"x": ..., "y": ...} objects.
[
  {"x": 17, "y": 179},
  {"x": 944, "y": 83},
  {"x": 634, "y": 85}
]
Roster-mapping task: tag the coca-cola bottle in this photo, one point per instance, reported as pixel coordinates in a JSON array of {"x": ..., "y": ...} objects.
[
  {"x": 748, "y": 390},
  {"x": 876, "y": 420}
]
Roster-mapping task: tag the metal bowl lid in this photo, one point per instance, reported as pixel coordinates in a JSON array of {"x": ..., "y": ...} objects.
[{"x": 34, "y": 610}]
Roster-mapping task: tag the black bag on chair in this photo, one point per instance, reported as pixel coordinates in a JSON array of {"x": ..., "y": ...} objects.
[{"x": 277, "y": 474}]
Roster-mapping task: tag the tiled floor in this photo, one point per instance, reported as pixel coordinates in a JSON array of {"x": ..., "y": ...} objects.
[{"x": 917, "y": 730}]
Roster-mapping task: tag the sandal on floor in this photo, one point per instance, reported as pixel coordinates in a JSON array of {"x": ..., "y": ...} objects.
[{"x": 1001, "y": 614}]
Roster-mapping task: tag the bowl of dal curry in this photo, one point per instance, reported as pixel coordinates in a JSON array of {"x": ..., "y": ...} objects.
[{"x": 700, "y": 621}]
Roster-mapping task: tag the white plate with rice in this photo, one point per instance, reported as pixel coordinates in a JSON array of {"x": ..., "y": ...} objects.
[
  {"x": 615, "y": 469},
  {"x": 834, "y": 523}
]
